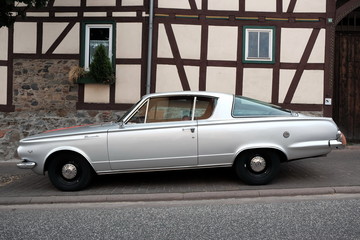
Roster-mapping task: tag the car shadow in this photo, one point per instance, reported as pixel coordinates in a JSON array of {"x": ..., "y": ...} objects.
[{"x": 169, "y": 181}]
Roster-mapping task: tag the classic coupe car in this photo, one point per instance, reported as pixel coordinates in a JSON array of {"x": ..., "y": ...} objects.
[{"x": 182, "y": 130}]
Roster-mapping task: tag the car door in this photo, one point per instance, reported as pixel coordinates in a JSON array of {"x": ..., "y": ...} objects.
[{"x": 161, "y": 134}]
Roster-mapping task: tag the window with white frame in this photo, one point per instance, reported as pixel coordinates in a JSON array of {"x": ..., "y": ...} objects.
[
  {"x": 258, "y": 44},
  {"x": 96, "y": 35}
]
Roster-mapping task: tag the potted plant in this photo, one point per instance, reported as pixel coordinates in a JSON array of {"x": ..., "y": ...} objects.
[
  {"x": 76, "y": 73},
  {"x": 101, "y": 70}
]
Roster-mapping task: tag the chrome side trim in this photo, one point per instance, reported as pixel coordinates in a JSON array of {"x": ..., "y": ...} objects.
[
  {"x": 26, "y": 164},
  {"x": 162, "y": 169}
]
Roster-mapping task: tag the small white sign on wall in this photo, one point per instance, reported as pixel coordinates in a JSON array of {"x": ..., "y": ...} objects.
[{"x": 328, "y": 101}]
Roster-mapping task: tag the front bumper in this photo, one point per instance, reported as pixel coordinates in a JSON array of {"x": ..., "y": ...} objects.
[{"x": 26, "y": 164}]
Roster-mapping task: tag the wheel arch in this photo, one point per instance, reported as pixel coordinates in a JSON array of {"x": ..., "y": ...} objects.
[
  {"x": 61, "y": 151},
  {"x": 278, "y": 151}
]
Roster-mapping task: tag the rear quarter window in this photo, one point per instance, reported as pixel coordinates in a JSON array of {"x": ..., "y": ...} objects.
[{"x": 247, "y": 107}]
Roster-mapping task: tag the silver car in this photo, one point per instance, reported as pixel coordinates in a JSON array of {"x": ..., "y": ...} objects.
[{"x": 182, "y": 130}]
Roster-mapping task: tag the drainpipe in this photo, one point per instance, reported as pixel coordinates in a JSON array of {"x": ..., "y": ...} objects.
[{"x": 148, "y": 72}]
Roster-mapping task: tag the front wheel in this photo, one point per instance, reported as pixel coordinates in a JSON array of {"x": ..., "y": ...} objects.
[
  {"x": 257, "y": 167},
  {"x": 69, "y": 172}
]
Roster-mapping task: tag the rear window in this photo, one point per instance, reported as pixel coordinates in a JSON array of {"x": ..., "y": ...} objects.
[{"x": 247, "y": 107}]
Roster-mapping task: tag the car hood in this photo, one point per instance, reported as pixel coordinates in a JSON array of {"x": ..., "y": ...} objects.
[{"x": 74, "y": 130}]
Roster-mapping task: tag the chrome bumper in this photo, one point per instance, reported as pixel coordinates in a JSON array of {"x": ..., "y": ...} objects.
[
  {"x": 335, "y": 144},
  {"x": 339, "y": 143},
  {"x": 26, "y": 164}
]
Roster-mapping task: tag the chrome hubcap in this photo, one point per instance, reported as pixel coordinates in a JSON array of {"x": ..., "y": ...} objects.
[
  {"x": 258, "y": 164},
  {"x": 69, "y": 171}
]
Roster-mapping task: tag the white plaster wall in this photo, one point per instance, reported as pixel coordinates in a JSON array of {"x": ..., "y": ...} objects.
[
  {"x": 285, "y": 79},
  {"x": 51, "y": 32},
  {"x": 167, "y": 78},
  {"x": 179, "y": 4},
  {"x": 293, "y": 43},
  {"x": 285, "y": 5},
  {"x": 310, "y": 89},
  {"x": 59, "y": 3},
  {"x": 221, "y": 79},
  {"x": 128, "y": 82},
  {"x": 198, "y": 4},
  {"x": 3, "y": 85},
  {"x": 229, "y": 5},
  {"x": 20, "y": 4},
  {"x": 4, "y": 34},
  {"x": 132, "y": 2},
  {"x": 25, "y": 37},
  {"x": 318, "y": 53},
  {"x": 129, "y": 40},
  {"x": 66, "y": 14},
  {"x": 257, "y": 83},
  {"x": 188, "y": 39},
  {"x": 101, "y": 3},
  {"x": 70, "y": 44},
  {"x": 97, "y": 93},
  {"x": 260, "y": 5},
  {"x": 95, "y": 14},
  {"x": 192, "y": 74},
  {"x": 311, "y": 6},
  {"x": 37, "y": 14},
  {"x": 222, "y": 43},
  {"x": 164, "y": 50},
  {"x": 124, "y": 14}
]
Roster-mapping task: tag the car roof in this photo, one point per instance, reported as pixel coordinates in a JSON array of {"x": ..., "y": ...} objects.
[{"x": 189, "y": 93}]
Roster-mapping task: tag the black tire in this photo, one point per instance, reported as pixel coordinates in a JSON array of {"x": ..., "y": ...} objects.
[
  {"x": 69, "y": 172},
  {"x": 257, "y": 167}
]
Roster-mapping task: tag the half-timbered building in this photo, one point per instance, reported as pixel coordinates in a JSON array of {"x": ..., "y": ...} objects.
[{"x": 300, "y": 54}]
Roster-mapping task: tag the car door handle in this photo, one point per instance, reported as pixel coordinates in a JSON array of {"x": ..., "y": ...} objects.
[{"x": 189, "y": 129}]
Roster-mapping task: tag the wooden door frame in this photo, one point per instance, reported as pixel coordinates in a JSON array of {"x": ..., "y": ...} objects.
[{"x": 339, "y": 14}]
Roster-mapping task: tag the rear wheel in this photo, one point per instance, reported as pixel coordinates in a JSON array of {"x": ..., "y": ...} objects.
[
  {"x": 257, "y": 167},
  {"x": 69, "y": 172}
]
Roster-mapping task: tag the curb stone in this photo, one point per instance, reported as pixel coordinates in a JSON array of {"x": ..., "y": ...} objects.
[{"x": 180, "y": 196}]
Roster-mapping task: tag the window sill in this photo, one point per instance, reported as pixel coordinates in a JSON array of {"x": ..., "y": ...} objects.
[
  {"x": 91, "y": 80},
  {"x": 259, "y": 61}
]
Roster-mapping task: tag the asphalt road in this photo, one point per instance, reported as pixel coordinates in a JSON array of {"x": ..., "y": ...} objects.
[{"x": 325, "y": 217}]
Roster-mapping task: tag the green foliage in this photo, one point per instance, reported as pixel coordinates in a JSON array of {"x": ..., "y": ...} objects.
[
  {"x": 100, "y": 68},
  {"x": 9, "y": 7}
]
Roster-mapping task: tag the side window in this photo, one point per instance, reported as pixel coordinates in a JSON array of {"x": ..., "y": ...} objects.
[
  {"x": 204, "y": 107},
  {"x": 169, "y": 109},
  {"x": 258, "y": 44},
  {"x": 94, "y": 36},
  {"x": 140, "y": 115}
]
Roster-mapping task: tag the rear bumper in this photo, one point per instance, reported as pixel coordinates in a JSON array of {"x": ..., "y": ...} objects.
[
  {"x": 26, "y": 164},
  {"x": 339, "y": 143}
]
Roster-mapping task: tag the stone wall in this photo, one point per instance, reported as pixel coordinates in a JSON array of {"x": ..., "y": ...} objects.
[
  {"x": 44, "y": 99},
  {"x": 43, "y": 86}
]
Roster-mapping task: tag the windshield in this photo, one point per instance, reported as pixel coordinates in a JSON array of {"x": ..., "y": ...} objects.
[{"x": 247, "y": 107}]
